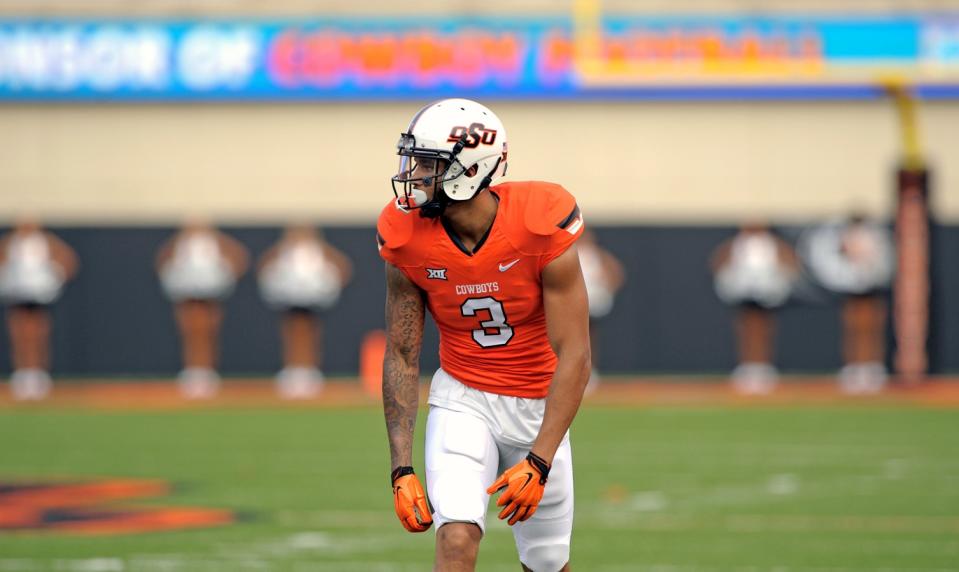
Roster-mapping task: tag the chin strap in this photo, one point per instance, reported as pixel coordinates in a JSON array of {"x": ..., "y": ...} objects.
[
  {"x": 436, "y": 206},
  {"x": 489, "y": 177}
]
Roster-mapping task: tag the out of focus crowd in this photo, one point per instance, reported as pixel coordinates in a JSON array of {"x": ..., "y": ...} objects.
[{"x": 302, "y": 275}]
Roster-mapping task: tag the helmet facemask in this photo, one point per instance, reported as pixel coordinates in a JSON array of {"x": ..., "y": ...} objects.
[{"x": 435, "y": 167}]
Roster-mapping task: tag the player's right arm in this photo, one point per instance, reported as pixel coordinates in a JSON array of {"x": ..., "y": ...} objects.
[
  {"x": 401, "y": 374},
  {"x": 401, "y": 365}
]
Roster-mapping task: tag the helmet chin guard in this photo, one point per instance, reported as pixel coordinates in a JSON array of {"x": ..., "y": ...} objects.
[{"x": 456, "y": 148}]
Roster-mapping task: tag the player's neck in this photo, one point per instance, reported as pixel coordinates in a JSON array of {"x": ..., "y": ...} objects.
[{"x": 471, "y": 219}]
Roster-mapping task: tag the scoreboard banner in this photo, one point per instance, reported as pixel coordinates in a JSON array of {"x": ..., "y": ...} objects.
[{"x": 519, "y": 58}]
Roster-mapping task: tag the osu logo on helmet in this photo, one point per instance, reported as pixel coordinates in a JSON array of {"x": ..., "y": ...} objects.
[{"x": 476, "y": 133}]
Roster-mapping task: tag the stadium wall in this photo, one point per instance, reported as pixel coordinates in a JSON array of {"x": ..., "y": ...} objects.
[
  {"x": 628, "y": 163},
  {"x": 114, "y": 321}
]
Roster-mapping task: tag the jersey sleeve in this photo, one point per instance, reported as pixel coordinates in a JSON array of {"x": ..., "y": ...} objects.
[
  {"x": 554, "y": 214},
  {"x": 394, "y": 228}
]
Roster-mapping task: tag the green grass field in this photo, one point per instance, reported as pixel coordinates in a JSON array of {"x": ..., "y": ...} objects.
[{"x": 870, "y": 487}]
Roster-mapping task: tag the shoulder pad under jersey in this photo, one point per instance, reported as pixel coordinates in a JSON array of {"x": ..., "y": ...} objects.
[
  {"x": 536, "y": 211},
  {"x": 549, "y": 208},
  {"x": 540, "y": 208},
  {"x": 395, "y": 230}
]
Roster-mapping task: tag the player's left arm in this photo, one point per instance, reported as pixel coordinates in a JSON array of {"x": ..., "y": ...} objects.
[{"x": 567, "y": 324}]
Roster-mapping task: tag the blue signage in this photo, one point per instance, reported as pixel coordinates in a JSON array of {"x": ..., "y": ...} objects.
[{"x": 681, "y": 57}]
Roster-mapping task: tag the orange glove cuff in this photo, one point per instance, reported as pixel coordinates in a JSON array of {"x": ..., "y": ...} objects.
[{"x": 400, "y": 472}]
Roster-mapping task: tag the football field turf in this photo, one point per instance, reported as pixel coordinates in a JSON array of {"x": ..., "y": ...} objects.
[{"x": 664, "y": 488}]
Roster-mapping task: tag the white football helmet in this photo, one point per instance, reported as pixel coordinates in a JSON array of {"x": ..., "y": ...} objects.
[{"x": 461, "y": 143}]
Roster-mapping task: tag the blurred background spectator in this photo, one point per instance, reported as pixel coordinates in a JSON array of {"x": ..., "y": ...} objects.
[
  {"x": 302, "y": 276},
  {"x": 198, "y": 269},
  {"x": 604, "y": 277},
  {"x": 35, "y": 265},
  {"x": 755, "y": 272},
  {"x": 853, "y": 258}
]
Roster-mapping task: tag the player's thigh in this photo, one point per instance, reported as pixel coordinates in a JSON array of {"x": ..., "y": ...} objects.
[
  {"x": 543, "y": 540},
  {"x": 461, "y": 462}
]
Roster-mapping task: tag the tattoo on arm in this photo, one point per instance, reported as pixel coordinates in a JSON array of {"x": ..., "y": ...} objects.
[{"x": 404, "y": 326}]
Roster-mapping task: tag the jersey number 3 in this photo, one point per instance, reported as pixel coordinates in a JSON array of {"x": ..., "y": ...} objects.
[{"x": 494, "y": 332}]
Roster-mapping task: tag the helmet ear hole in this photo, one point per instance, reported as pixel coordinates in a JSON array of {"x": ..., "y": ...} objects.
[{"x": 471, "y": 172}]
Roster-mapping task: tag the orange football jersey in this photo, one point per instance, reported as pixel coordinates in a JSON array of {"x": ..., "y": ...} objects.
[{"x": 488, "y": 305}]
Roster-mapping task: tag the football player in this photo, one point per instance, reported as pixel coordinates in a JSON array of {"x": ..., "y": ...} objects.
[{"x": 498, "y": 270}]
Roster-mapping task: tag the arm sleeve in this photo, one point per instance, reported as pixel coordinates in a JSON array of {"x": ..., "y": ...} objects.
[{"x": 568, "y": 230}]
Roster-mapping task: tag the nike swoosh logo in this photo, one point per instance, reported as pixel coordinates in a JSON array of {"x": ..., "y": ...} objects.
[
  {"x": 529, "y": 477},
  {"x": 507, "y": 266}
]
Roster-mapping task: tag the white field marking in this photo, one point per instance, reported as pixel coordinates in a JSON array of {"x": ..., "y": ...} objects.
[
  {"x": 894, "y": 469},
  {"x": 608, "y": 518},
  {"x": 611, "y": 519},
  {"x": 648, "y": 501},
  {"x": 749, "y": 568},
  {"x": 812, "y": 456},
  {"x": 388, "y": 567},
  {"x": 200, "y": 564},
  {"x": 393, "y": 567},
  {"x": 783, "y": 485},
  {"x": 311, "y": 543},
  {"x": 337, "y": 519},
  {"x": 89, "y": 565},
  {"x": 811, "y": 523},
  {"x": 183, "y": 563},
  {"x": 163, "y": 563}
]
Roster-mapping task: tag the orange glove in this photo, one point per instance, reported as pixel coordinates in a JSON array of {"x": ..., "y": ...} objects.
[
  {"x": 410, "y": 502},
  {"x": 524, "y": 484}
]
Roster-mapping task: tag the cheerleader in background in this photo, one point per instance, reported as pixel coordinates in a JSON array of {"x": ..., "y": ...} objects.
[
  {"x": 198, "y": 269},
  {"x": 854, "y": 259},
  {"x": 34, "y": 267},
  {"x": 755, "y": 271},
  {"x": 302, "y": 276},
  {"x": 604, "y": 277}
]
